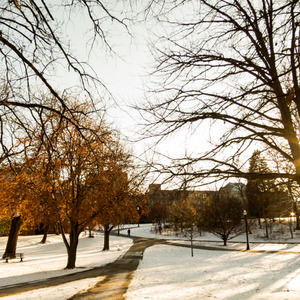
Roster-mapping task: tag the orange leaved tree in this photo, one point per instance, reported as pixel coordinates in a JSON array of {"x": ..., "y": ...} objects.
[
  {"x": 72, "y": 172},
  {"x": 77, "y": 156},
  {"x": 116, "y": 198}
]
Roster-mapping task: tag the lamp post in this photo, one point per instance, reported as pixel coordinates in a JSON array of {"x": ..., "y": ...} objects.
[
  {"x": 291, "y": 225},
  {"x": 293, "y": 220},
  {"x": 139, "y": 213},
  {"x": 246, "y": 224}
]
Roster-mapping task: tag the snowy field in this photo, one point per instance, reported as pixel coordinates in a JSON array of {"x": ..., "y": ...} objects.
[
  {"x": 166, "y": 272},
  {"x": 49, "y": 260},
  {"x": 171, "y": 273}
]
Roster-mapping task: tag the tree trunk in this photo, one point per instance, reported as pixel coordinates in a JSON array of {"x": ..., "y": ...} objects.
[
  {"x": 72, "y": 251},
  {"x": 90, "y": 232},
  {"x": 295, "y": 208},
  {"x": 107, "y": 231},
  {"x": 11, "y": 245},
  {"x": 46, "y": 227},
  {"x": 266, "y": 227},
  {"x": 291, "y": 227},
  {"x": 56, "y": 227},
  {"x": 225, "y": 241},
  {"x": 71, "y": 245}
]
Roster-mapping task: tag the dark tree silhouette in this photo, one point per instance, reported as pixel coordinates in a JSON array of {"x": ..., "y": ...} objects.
[
  {"x": 231, "y": 67},
  {"x": 11, "y": 245},
  {"x": 222, "y": 216}
]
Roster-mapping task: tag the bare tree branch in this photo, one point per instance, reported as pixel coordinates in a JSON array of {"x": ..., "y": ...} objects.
[{"x": 236, "y": 64}]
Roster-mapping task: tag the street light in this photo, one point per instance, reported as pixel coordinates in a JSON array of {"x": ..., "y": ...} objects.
[
  {"x": 139, "y": 213},
  {"x": 293, "y": 220},
  {"x": 246, "y": 224}
]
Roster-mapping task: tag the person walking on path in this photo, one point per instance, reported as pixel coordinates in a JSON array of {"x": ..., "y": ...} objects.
[{"x": 128, "y": 231}]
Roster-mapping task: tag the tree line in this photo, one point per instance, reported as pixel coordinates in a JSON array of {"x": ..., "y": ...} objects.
[{"x": 222, "y": 211}]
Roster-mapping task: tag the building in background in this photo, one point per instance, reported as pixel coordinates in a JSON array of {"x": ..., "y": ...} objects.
[{"x": 160, "y": 201}]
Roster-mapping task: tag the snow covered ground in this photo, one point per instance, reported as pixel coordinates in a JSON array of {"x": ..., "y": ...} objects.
[
  {"x": 166, "y": 272},
  {"x": 171, "y": 273},
  {"x": 49, "y": 260}
]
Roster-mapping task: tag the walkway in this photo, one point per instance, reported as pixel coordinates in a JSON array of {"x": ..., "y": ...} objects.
[{"x": 119, "y": 273}]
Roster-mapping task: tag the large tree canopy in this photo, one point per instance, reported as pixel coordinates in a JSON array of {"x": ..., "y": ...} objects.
[
  {"x": 71, "y": 180},
  {"x": 234, "y": 65}
]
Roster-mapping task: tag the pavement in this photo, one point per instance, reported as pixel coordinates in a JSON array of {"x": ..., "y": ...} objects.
[
  {"x": 119, "y": 273},
  {"x": 116, "y": 276}
]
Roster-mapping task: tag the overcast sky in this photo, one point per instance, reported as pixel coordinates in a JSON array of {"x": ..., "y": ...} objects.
[{"x": 122, "y": 69}]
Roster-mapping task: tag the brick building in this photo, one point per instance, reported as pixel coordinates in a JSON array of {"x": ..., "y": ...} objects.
[{"x": 160, "y": 201}]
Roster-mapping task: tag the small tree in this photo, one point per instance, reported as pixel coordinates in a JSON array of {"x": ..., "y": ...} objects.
[
  {"x": 191, "y": 220},
  {"x": 256, "y": 189},
  {"x": 185, "y": 214},
  {"x": 115, "y": 200},
  {"x": 222, "y": 216},
  {"x": 267, "y": 198}
]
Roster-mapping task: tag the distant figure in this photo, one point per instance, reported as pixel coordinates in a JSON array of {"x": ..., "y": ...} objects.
[{"x": 128, "y": 231}]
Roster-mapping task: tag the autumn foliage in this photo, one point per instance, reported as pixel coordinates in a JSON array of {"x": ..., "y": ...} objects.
[{"x": 73, "y": 174}]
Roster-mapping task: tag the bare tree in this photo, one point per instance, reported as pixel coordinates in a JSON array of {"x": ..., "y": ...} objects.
[
  {"x": 36, "y": 47},
  {"x": 231, "y": 68},
  {"x": 184, "y": 212},
  {"x": 222, "y": 216}
]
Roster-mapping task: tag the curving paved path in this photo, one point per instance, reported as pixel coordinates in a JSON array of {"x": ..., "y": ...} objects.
[{"x": 119, "y": 273}]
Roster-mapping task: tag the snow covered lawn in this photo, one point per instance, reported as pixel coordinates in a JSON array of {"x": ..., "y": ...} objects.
[
  {"x": 49, "y": 260},
  {"x": 168, "y": 272}
]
